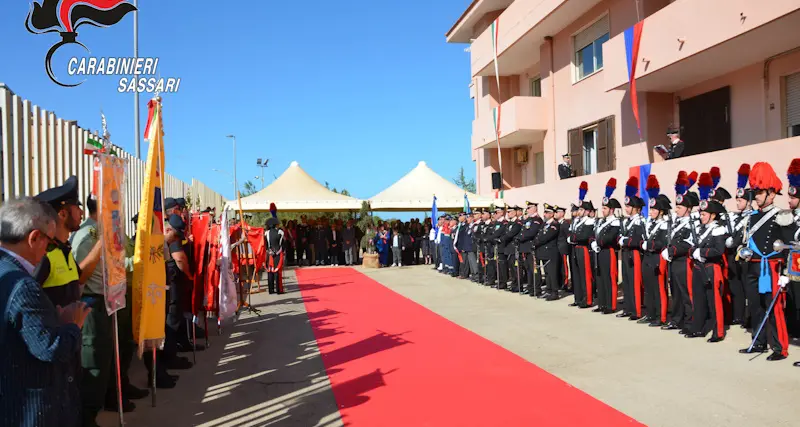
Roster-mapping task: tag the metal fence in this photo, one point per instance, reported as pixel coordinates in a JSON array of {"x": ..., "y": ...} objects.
[{"x": 40, "y": 151}]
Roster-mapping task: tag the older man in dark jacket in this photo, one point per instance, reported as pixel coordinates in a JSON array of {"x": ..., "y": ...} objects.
[{"x": 41, "y": 343}]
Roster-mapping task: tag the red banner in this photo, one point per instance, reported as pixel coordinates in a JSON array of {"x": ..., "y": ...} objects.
[
  {"x": 211, "y": 271},
  {"x": 199, "y": 232}
]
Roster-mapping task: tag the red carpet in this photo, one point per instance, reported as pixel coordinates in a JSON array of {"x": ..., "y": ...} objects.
[{"x": 392, "y": 362}]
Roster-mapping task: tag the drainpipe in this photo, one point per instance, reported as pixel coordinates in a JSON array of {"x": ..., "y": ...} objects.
[
  {"x": 765, "y": 78},
  {"x": 549, "y": 41}
]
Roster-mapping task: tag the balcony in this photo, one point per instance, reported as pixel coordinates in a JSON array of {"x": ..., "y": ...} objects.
[
  {"x": 691, "y": 41},
  {"x": 521, "y": 30},
  {"x": 524, "y": 121}
]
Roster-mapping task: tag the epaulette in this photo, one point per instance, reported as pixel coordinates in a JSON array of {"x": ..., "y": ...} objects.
[
  {"x": 719, "y": 231},
  {"x": 784, "y": 218}
]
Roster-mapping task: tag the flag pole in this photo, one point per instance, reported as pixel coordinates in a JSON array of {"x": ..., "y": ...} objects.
[
  {"x": 118, "y": 370},
  {"x": 138, "y": 140}
]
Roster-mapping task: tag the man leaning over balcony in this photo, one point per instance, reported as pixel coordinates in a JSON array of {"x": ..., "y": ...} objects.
[
  {"x": 565, "y": 168},
  {"x": 676, "y": 147}
]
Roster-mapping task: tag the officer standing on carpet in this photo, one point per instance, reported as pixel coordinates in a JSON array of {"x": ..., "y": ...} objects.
[
  {"x": 736, "y": 266},
  {"x": 275, "y": 256},
  {"x": 513, "y": 227},
  {"x": 530, "y": 229},
  {"x": 606, "y": 252},
  {"x": 546, "y": 246},
  {"x": 497, "y": 261}
]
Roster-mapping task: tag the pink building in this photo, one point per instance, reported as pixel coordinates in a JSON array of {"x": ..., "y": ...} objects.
[{"x": 726, "y": 71}]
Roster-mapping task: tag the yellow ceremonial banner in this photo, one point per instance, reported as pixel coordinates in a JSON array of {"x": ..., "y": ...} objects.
[
  {"x": 149, "y": 274},
  {"x": 111, "y": 220}
]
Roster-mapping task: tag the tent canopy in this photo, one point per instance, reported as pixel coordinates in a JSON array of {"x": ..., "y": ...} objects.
[
  {"x": 296, "y": 191},
  {"x": 415, "y": 192}
]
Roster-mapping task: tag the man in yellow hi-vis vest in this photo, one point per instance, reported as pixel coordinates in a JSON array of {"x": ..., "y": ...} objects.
[{"x": 61, "y": 277}]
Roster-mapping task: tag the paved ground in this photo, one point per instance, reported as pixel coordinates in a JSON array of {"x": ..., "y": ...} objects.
[{"x": 266, "y": 370}]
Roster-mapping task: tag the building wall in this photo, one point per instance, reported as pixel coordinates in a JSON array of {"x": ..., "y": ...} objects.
[{"x": 756, "y": 109}]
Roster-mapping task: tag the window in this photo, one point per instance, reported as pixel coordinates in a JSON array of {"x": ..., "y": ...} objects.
[
  {"x": 538, "y": 161},
  {"x": 592, "y": 147},
  {"x": 536, "y": 86},
  {"x": 589, "y": 48},
  {"x": 590, "y": 151},
  {"x": 792, "y": 108}
]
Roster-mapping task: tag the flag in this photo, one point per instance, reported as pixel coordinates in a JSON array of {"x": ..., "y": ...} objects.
[
  {"x": 92, "y": 145},
  {"x": 497, "y": 111},
  {"x": 228, "y": 302},
  {"x": 466, "y": 204},
  {"x": 149, "y": 274},
  {"x": 633, "y": 36},
  {"x": 111, "y": 204},
  {"x": 435, "y": 216},
  {"x": 642, "y": 173}
]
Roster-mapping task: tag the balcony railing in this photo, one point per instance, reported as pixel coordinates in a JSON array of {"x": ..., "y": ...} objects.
[{"x": 523, "y": 121}]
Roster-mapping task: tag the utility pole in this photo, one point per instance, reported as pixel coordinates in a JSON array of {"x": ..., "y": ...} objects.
[{"x": 262, "y": 163}]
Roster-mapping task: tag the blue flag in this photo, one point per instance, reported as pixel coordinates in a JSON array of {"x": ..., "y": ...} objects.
[
  {"x": 434, "y": 215},
  {"x": 466, "y": 204}
]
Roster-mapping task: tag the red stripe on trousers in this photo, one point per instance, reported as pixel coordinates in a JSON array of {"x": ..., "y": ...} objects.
[
  {"x": 689, "y": 278},
  {"x": 720, "y": 314},
  {"x": 662, "y": 287},
  {"x": 587, "y": 264},
  {"x": 780, "y": 318},
  {"x": 614, "y": 278},
  {"x": 637, "y": 282},
  {"x": 566, "y": 269}
]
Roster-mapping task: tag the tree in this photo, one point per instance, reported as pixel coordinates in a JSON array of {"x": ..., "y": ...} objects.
[
  {"x": 462, "y": 182},
  {"x": 248, "y": 188}
]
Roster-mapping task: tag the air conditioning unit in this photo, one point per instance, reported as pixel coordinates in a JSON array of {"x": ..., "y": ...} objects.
[{"x": 521, "y": 156}]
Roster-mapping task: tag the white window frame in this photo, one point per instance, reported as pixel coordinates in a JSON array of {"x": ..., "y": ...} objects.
[
  {"x": 531, "y": 82},
  {"x": 576, "y": 77},
  {"x": 589, "y": 154}
]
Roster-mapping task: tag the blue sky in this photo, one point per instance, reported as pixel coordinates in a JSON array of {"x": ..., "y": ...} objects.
[{"x": 356, "y": 91}]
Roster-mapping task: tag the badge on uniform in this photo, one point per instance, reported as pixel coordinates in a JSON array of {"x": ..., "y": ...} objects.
[{"x": 528, "y": 224}]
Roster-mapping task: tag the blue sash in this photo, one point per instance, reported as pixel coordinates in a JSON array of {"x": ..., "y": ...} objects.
[{"x": 764, "y": 277}]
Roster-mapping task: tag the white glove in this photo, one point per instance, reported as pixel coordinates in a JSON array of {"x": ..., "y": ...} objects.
[
  {"x": 644, "y": 245},
  {"x": 569, "y": 240},
  {"x": 595, "y": 247},
  {"x": 689, "y": 241},
  {"x": 622, "y": 240},
  {"x": 729, "y": 242},
  {"x": 665, "y": 255},
  {"x": 696, "y": 255},
  {"x": 783, "y": 281}
]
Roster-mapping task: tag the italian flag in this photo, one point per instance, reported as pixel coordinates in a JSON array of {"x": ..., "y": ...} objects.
[{"x": 92, "y": 146}]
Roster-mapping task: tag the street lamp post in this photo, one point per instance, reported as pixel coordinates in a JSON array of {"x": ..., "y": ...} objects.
[
  {"x": 235, "y": 183},
  {"x": 262, "y": 163}
]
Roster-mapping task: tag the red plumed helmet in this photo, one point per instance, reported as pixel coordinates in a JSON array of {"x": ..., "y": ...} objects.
[
  {"x": 683, "y": 178},
  {"x": 612, "y": 182},
  {"x": 794, "y": 167},
  {"x": 763, "y": 177},
  {"x": 632, "y": 182},
  {"x": 744, "y": 169},
  {"x": 705, "y": 180},
  {"x": 652, "y": 182},
  {"x": 584, "y": 185}
]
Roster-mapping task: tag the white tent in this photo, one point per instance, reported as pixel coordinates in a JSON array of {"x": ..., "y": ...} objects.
[
  {"x": 296, "y": 191},
  {"x": 415, "y": 191}
]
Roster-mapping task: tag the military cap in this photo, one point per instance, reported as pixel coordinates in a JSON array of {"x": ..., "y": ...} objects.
[
  {"x": 634, "y": 201},
  {"x": 560, "y": 208},
  {"x": 65, "y": 195},
  {"x": 565, "y": 155},
  {"x": 529, "y": 204},
  {"x": 170, "y": 203},
  {"x": 660, "y": 203},
  {"x": 611, "y": 203},
  {"x": 720, "y": 194},
  {"x": 176, "y": 222},
  {"x": 272, "y": 222},
  {"x": 181, "y": 202},
  {"x": 744, "y": 193},
  {"x": 549, "y": 208},
  {"x": 573, "y": 207},
  {"x": 587, "y": 205},
  {"x": 686, "y": 200},
  {"x": 499, "y": 208},
  {"x": 517, "y": 208},
  {"x": 672, "y": 130},
  {"x": 712, "y": 206},
  {"x": 462, "y": 214}
]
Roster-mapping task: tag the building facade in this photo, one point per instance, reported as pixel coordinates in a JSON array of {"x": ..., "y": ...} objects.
[{"x": 726, "y": 72}]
